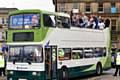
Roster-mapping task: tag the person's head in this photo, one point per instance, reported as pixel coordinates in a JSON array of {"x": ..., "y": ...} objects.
[
  {"x": 83, "y": 13},
  {"x": 94, "y": 15}
]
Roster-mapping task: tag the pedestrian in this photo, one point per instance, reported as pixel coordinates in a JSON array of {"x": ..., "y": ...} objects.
[
  {"x": 2, "y": 63},
  {"x": 4, "y": 50},
  {"x": 117, "y": 62}
]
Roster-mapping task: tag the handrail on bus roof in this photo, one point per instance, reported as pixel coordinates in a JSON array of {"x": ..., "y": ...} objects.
[
  {"x": 25, "y": 11},
  {"x": 39, "y": 11},
  {"x": 63, "y": 14}
]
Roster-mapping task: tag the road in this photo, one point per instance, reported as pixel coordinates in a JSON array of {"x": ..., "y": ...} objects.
[{"x": 107, "y": 75}]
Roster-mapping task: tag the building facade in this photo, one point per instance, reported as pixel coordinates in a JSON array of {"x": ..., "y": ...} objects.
[
  {"x": 4, "y": 12},
  {"x": 105, "y": 8}
]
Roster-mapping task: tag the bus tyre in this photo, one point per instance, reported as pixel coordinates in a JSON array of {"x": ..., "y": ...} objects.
[
  {"x": 98, "y": 69},
  {"x": 64, "y": 74}
]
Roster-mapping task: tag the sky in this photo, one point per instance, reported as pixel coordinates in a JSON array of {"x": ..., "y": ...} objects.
[{"x": 28, "y": 4}]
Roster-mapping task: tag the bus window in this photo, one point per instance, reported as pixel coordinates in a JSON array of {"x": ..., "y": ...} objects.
[
  {"x": 64, "y": 53},
  {"x": 63, "y": 22},
  {"x": 61, "y": 54},
  {"x": 98, "y": 52},
  {"x": 104, "y": 51},
  {"x": 24, "y": 21},
  {"x": 15, "y": 54},
  {"x": 77, "y": 53},
  {"x": 33, "y": 53},
  {"x": 16, "y": 22},
  {"x": 26, "y": 54},
  {"x": 38, "y": 54},
  {"x": 48, "y": 20},
  {"x": 88, "y": 52}
]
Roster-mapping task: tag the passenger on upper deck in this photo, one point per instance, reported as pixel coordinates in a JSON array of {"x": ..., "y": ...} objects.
[
  {"x": 101, "y": 24},
  {"x": 85, "y": 20},
  {"x": 93, "y": 22}
]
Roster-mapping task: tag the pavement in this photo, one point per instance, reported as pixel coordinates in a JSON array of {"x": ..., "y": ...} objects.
[
  {"x": 3, "y": 78},
  {"x": 107, "y": 75}
]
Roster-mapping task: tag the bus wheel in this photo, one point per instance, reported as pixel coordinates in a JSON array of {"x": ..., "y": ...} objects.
[
  {"x": 99, "y": 69},
  {"x": 64, "y": 74}
]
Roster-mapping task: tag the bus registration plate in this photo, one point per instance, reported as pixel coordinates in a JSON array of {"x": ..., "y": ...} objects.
[{"x": 22, "y": 79}]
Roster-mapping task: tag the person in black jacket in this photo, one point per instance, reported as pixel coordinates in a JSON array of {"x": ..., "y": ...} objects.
[{"x": 117, "y": 62}]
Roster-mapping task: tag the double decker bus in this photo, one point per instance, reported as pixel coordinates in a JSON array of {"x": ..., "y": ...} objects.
[{"x": 42, "y": 45}]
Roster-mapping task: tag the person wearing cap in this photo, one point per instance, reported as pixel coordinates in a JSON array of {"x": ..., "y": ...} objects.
[{"x": 2, "y": 63}]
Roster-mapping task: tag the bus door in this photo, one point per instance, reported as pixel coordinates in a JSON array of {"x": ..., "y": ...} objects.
[{"x": 51, "y": 62}]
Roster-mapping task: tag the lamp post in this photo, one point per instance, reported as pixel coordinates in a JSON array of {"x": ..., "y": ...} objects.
[{"x": 55, "y": 3}]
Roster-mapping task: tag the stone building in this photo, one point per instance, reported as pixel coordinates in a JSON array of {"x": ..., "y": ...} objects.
[{"x": 4, "y": 21}]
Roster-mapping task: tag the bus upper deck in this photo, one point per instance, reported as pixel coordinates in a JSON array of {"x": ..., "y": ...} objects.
[{"x": 33, "y": 25}]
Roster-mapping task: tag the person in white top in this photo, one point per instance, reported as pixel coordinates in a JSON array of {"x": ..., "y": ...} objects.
[{"x": 101, "y": 24}]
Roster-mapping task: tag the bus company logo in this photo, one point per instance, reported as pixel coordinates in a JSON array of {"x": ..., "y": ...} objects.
[{"x": 21, "y": 67}]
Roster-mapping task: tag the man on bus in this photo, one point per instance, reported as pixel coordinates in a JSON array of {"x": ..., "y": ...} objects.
[{"x": 117, "y": 60}]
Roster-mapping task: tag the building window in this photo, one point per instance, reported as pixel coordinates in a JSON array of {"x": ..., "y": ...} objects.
[
  {"x": 6, "y": 20},
  {"x": 113, "y": 8},
  {"x": 100, "y": 7},
  {"x": 113, "y": 25},
  {"x": 3, "y": 21},
  {"x": 0, "y": 20},
  {"x": 75, "y": 5},
  {"x": 112, "y": 4},
  {"x": 87, "y": 7},
  {"x": 62, "y": 7},
  {"x": 114, "y": 39}
]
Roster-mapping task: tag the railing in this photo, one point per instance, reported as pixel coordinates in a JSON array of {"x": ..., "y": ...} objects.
[{"x": 114, "y": 32}]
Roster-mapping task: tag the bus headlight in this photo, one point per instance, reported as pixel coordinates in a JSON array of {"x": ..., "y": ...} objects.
[
  {"x": 34, "y": 73},
  {"x": 11, "y": 72},
  {"x": 10, "y": 79}
]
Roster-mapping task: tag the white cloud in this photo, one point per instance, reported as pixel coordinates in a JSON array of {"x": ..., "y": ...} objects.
[{"x": 28, "y": 4}]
